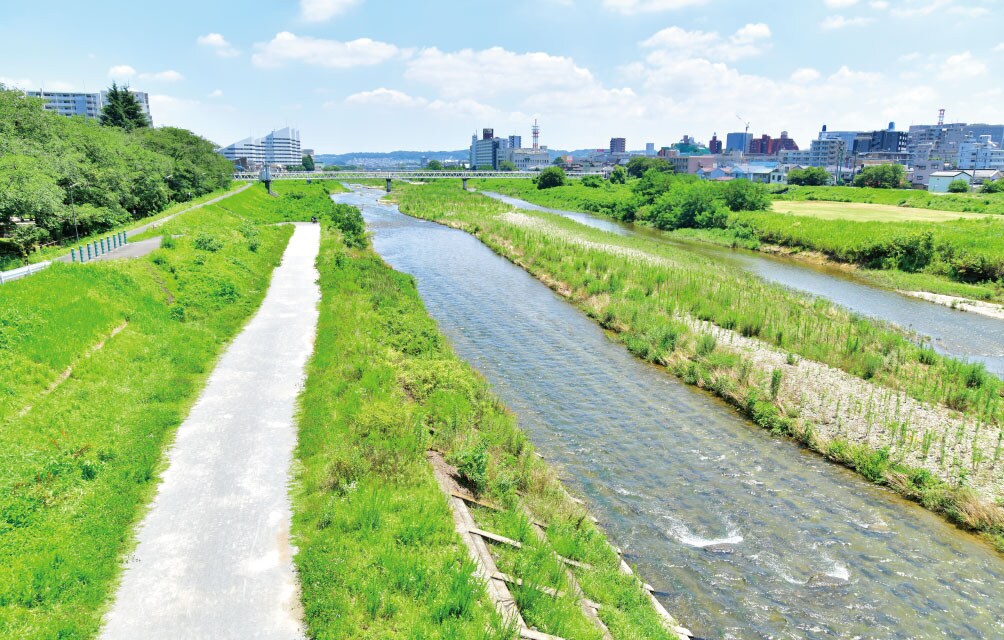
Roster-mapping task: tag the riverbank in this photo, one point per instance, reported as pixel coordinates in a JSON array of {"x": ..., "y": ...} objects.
[
  {"x": 378, "y": 554},
  {"x": 102, "y": 362},
  {"x": 959, "y": 257},
  {"x": 651, "y": 295}
]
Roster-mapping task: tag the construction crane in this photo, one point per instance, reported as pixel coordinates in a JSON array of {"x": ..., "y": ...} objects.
[{"x": 746, "y": 135}]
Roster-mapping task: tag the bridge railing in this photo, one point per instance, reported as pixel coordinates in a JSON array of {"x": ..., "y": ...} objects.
[{"x": 252, "y": 176}]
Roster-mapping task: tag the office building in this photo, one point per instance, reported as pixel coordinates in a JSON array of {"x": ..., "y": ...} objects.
[
  {"x": 280, "y": 147},
  {"x": 981, "y": 153},
  {"x": 486, "y": 153},
  {"x": 618, "y": 145},
  {"x": 88, "y": 105},
  {"x": 738, "y": 142},
  {"x": 715, "y": 145},
  {"x": 528, "y": 159}
]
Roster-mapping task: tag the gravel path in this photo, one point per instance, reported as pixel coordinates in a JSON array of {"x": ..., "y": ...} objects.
[{"x": 213, "y": 558}]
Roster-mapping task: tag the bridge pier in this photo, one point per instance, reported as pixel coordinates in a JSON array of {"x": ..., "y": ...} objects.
[
  {"x": 465, "y": 183},
  {"x": 388, "y": 185}
]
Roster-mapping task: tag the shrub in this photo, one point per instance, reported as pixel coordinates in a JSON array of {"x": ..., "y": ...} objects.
[
  {"x": 207, "y": 242},
  {"x": 958, "y": 186},
  {"x": 551, "y": 177}
]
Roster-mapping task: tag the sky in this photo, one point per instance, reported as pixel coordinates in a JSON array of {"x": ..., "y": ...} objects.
[{"x": 381, "y": 75}]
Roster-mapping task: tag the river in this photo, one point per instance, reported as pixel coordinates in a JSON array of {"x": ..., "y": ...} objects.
[
  {"x": 963, "y": 335},
  {"x": 742, "y": 535}
]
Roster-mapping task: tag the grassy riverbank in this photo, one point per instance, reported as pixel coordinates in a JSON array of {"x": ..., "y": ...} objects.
[
  {"x": 857, "y": 391},
  {"x": 102, "y": 362},
  {"x": 378, "y": 554},
  {"x": 955, "y": 256}
]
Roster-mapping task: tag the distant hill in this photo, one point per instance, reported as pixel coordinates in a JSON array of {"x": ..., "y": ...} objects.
[{"x": 409, "y": 157}]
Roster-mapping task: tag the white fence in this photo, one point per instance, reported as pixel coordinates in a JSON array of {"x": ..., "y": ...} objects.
[{"x": 23, "y": 272}]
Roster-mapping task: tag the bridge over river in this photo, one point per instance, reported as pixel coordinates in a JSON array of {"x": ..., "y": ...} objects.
[{"x": 252, "y": 176}]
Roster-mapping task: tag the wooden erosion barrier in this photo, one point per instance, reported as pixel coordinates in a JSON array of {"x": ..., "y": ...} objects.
[{"x": 497, "y": 583}]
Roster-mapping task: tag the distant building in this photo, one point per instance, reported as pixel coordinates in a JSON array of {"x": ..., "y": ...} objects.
[
  {"x": 515, "y": 142},
  {"x": 738, "y": 142},
  {"x": 280, "y": 147},
  {"x": 825, "y": 152},
  {"x": 939, "y": 180},
  {"x": 528, "y": 159},
  {"x": 715, "y": 145},
  {"x": 618, "y": 145},
  {"x": 982, "y": 153},
  {"x": 88, "y": 105},
  {"x": 650, "y": 149}
]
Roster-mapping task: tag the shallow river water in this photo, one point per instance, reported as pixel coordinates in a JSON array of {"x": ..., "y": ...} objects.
[
  {"x": 743, "y": 535},
  {"x": 957, "y": 333}
]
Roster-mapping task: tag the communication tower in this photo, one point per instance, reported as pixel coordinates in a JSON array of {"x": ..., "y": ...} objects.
[{"x": 536, "y": 135}]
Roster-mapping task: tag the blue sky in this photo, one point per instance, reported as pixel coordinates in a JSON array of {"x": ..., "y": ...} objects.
[{"x": 380, "y": 75}]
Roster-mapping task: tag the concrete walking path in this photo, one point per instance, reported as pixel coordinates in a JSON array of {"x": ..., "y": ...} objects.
[{"x": 213, "y": 559}]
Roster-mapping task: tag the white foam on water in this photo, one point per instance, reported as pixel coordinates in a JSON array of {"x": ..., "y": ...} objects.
[
  {"x": 840, "y": 572},
  {"x": 690, "y": 539}
]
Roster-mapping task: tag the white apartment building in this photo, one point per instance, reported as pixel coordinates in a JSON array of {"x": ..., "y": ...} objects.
[
  {"x": 826, "y": 152},
  {"x": 980, "y": 154},
  {"x": 528, "y": 159},
  {"x": 88, "y": 105},
  {"x": 280, "y": 147}
]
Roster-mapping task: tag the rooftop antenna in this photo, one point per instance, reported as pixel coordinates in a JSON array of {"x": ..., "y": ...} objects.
[
  {"x": 941, "y": 117},
  {"x": 536, "y": 135},
  {"x": 746, "y": 135}
]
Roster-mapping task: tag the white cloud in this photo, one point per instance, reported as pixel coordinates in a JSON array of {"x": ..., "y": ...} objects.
[
  {"x": 962, "y": 65},
  {"x": 879, "y": 5},
  {"x": 168, "y": 75},
  {"x": 121, "y": 71},
  {"x": 999, "y": 48},
  {"x": 216, "y": 93},
  {"x": 323, "y": 10},
  {"x": 918, "y": 8},
  {"x": 839, "y": 4},
  {"x": 746, "y": 41},
  {"x": 805, "y": 75},
  {"x": 384, "y": 96},
  {"x": 840, "y": 22},
  {"x": 20, "y": 83},
  {"x": 469, "y": 73},
  {"x": 289, "y": 47},
  {"x": 910, "y": 57},
  {"x": 631, "y": 7},
  {"x": 219, "y": 44}
]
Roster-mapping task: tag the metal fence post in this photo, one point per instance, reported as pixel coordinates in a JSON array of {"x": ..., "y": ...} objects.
[
  {"x": 125, "y": 238},
  {"x": 88, "y": 251},
  {"x": 73, "y": 254}
]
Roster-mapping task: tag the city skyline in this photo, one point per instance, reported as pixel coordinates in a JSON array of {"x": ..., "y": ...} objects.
[{"x": 369, "y": 75}]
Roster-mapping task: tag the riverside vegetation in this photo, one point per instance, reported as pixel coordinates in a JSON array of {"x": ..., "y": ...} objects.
[
  {"x": 102, "y": 362},
  {"x": 926, "y": 425},
  {"x": 963, "y": 256},
  {"x": 378, "y": 555},
  {"x": 60, "y": 176}
]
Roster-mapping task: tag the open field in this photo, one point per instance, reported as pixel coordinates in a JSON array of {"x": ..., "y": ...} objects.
[
  {"x": 378, "y": 554},
  {"x": 863, "y": 212},
  {"x": 929, "y": 426},
  {"x": 102, "y": 362},
  {"x": 912, "y": 198}
]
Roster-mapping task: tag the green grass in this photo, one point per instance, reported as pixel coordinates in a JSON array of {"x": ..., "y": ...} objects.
[
  {"x": 50, "y": 252},
  {"x": 957, "y": 202},
  {"x": 640, "y": 289},
  {"x": 864, "y": 212},
  {"x": 378, "y": 555},
  {"x": 77, "y": 468}
]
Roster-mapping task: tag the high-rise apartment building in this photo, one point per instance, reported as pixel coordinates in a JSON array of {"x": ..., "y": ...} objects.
[
  {"x": 715, "y": 145},
  {"x": 88, "y": 105},
  {"x": 618, "y": 145},
  {"x": 739, "y": 142},
  {"x": 280, "y": 147}
]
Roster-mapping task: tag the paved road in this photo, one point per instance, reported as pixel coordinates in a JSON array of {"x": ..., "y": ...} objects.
[
  {"x": 131, "y": 250},
  {"x": 214, "y": 558}
]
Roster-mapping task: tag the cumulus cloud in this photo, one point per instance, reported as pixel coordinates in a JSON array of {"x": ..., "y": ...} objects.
[
  {"x": 747, "y": 41},
  {"x": 323, "y": 10},
  {"x": 219, "y": 44},
  {"x": 384, "y": 96},
  {"x": 168, "y": 75},
  {"x": 631, "y": 7},
  {"x": 840, "y": 22},
  {"x": 121, "y": 71},
  {"x": 962, "y": 65},
  {"x": 289, "y": 47},
  {"x": 496, "y": 70},
  {"x": 805, "y": 75}
]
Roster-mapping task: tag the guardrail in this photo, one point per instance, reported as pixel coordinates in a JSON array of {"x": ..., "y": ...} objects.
[{"x": 84, "y": 253}]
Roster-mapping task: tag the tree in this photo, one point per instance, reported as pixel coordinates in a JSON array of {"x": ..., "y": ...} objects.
[
  {"x": 653, "y": 184},
  {"x": 809, "y": 177},
  {"x": 122, "y": 110},
  {"x": 743, "y": 195},
  {"x": 308, "y": 163},
  {"x": 434, "y": 165},
  {"x": 507, "y": 165},
  {"x": 993, "y": 186},
  {"x": 26, "y": 237},
  {"x": 592, "y": 181},
  {"x": 689, "y": 204},
  {"x": 883, "y": 176},
  {"x": 958, "y": 186},
  {"x": 28, "y": 192},
  {"x": 551, "y": 177},
  {"x": 618, "y": 175},
  {"x": 638, "y": 165},
  {"x": 558, "y": 161}
]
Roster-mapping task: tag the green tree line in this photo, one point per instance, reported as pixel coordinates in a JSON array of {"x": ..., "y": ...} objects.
[{"x": 60, "y": 176}]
